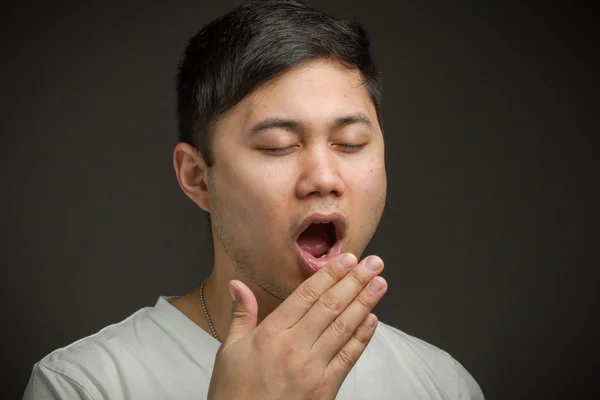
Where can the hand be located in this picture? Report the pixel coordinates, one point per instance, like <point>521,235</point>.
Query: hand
<point>307,346</point>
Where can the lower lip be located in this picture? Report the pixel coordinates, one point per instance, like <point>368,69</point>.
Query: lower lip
<point>312,264</point>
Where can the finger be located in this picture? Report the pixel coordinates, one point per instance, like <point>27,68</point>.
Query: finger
<point>244,311</point>
<point>343,361</point>
<point>339,332</point>
<point>334,301</point>
<point>304,297</point>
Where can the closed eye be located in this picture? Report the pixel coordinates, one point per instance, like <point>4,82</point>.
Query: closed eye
<point>278,151</point>
<point>346,148</point>
<point>351,148</point>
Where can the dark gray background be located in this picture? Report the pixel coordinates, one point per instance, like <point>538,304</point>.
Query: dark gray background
<point>491,229</point>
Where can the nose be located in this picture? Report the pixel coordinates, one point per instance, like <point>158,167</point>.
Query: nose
<point>320,173</point>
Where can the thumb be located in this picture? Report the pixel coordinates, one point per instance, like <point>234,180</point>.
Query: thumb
<point>244,311</point>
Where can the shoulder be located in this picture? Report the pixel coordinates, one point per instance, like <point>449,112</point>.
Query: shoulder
<point>397,340</point>
<point>153,352</point>
<point>77,370</point>
<point>427,359</point>
<point>102,344</point>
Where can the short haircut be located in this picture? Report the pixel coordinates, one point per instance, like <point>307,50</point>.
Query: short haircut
<point>253,44</point>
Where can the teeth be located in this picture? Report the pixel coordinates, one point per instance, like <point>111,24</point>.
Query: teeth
<point>324,255</point>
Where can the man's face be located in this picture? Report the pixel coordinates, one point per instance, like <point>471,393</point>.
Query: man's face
<point>285,153</point>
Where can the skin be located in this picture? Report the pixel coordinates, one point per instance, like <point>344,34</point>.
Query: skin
<point>257,198</point>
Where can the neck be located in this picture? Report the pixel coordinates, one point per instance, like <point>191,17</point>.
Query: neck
<point>218,300</point>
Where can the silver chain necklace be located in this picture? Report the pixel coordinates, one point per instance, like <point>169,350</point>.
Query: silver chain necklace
<point>212,329</point>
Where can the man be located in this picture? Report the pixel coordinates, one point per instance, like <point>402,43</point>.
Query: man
<point>281,143</point>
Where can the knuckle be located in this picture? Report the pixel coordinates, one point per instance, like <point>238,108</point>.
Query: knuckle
<point>329,302</point>
<point>239,313</point>
<point>346,358</point>
<point>331,273</point>
<point>308,293</point>
<point>264,336</point>
<point>362,337</point>
<point>364,302</point>
<point>304,371</point>
<point>339,327</point>
<point>288,348</point>
<point>360,280</point>
<point>320,391</point>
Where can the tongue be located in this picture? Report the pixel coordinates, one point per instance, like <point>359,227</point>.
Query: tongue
<point>314,240</point>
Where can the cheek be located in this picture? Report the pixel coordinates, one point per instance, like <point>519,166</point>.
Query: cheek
<point>262,193</point>
<point>371,192</point>
<point>372,181</point>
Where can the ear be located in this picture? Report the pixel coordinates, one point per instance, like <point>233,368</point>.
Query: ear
<point>192,174</point>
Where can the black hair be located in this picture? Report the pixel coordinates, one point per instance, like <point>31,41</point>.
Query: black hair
<point>254,43</point>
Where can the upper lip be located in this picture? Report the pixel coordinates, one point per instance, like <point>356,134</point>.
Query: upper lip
<point>338,220</point>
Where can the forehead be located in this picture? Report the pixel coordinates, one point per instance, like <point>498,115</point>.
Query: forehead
<point>314,94</point>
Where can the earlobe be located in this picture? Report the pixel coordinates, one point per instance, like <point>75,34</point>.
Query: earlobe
<point>192,174</point>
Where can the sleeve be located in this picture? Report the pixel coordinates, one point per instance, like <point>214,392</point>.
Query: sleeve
<point>46,384</point>
<point>468,389</point>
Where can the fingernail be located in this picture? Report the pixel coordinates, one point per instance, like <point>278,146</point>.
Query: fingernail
<point>373,263</point>
<point>347,261</point>
<point>376,284</point>
<point>233,292</point>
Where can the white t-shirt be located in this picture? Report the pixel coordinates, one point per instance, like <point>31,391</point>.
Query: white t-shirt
<point>159,353</point>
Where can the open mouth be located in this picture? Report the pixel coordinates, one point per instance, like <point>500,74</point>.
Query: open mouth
<point>320,240</point>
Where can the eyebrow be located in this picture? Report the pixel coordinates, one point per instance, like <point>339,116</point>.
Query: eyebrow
<point>355,118</point>
<point>340,122</point>
<point>275,123</point>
